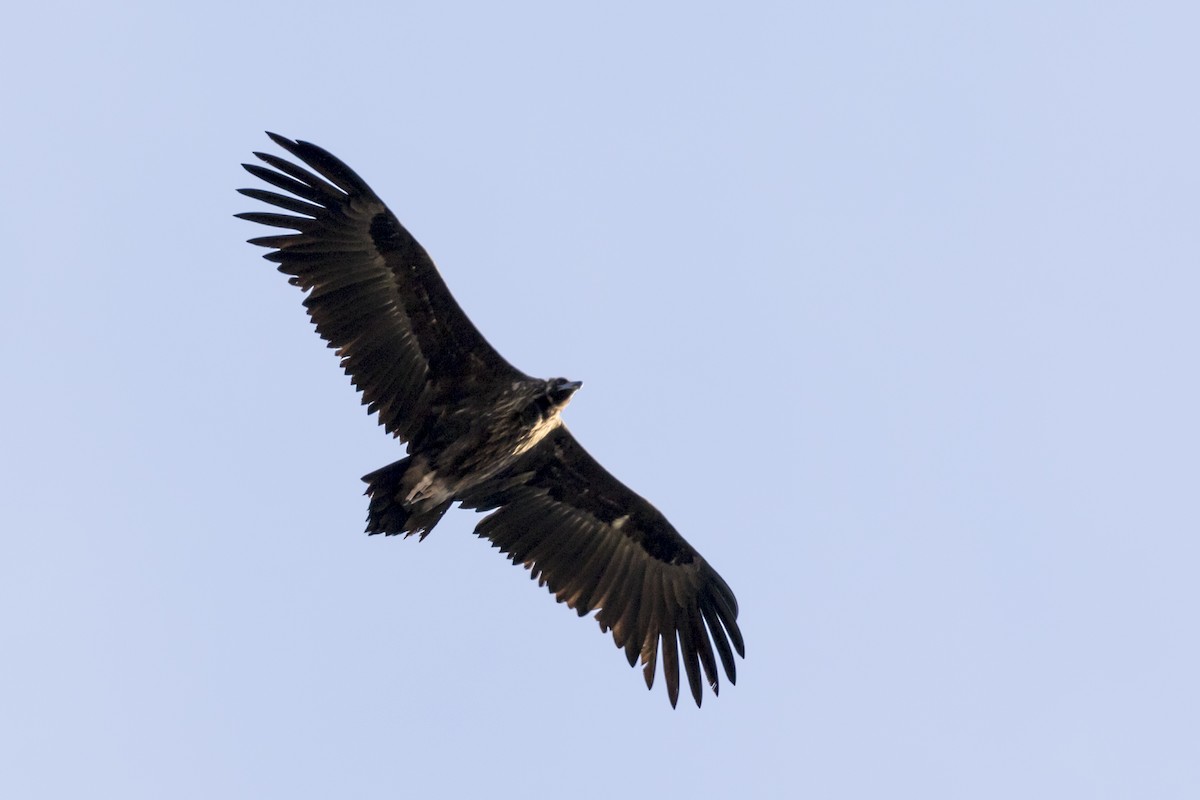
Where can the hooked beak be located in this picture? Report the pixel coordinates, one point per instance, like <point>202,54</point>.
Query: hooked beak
<point>560,395</point>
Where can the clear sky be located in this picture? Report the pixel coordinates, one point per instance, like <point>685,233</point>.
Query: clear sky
<point>891,308</point>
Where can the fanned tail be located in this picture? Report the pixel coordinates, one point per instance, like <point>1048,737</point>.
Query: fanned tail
<point>389,512</point>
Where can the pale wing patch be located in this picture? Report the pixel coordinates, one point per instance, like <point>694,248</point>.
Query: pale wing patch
<point>538,432</point>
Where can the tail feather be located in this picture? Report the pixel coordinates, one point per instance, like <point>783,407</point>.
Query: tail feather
<point>389,513</point>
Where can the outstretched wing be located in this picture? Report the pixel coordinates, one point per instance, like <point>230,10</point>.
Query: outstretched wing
<point>373,292</point>
<point>598,545</point>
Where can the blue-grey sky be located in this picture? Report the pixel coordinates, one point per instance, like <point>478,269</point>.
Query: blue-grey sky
<point>891,308</point>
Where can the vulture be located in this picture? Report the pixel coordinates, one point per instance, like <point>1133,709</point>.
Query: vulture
<point>480,432</point>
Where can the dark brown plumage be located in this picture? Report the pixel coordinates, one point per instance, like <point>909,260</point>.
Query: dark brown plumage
<point>482,433</point>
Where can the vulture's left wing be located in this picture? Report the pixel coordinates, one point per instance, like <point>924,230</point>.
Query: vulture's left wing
<point>598,545</point>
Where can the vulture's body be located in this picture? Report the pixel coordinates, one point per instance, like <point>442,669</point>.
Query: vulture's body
<point>482,433</point>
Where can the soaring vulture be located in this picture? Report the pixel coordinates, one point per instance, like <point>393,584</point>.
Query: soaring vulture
<point>481,432</point>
